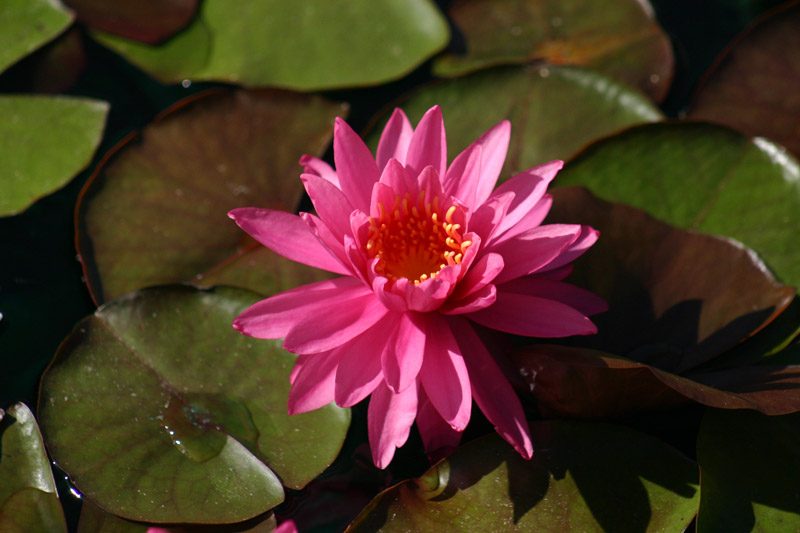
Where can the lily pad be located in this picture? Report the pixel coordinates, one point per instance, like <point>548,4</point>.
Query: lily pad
<point>68,130</point>
<point>753,85</point>
<point>155,211</point>
<point>28,497</point>
<point>621,39</point>
<point>159,411</point>
<point>583,477</point>
<point>704,177</point>
<point>749,464</point>
<point>27,25</point>
<point>317,45</point>
<point>553,110</point>
<point>149,21</point>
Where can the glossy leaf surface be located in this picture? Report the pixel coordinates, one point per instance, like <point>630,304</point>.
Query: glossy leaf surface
<point>703,177</point>
<point>583,477</point>
<point>319,45</point>
<point>27,25</point>
<point>68,130</point>
<point>149,21</point>
<point>156,391</point>
<point>620,39</point>
<point>155,210</point>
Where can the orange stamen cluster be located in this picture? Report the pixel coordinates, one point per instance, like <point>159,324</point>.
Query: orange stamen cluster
<point>412,240</point>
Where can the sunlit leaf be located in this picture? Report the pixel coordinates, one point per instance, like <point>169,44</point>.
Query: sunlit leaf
<point>28,498</point>
<point>583,477</point>
<point>67,130</point>
<point>156,209</point>
<point>314,45</point>
<point>160,411</point>
<point>150,21</point>
<point>703,177</point>
<point>621,39</point>
<point>749,464</point>
<point>27,25</point>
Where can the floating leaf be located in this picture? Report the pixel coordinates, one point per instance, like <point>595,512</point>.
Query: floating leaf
<point>155,210</point>
<point>703,177</point>
<point>160,411</point>
<point>753,87</point>
<point>319,45</point>
<point>583,477</point>
<point>553,110</point>
<point>68,130</point>
<point>27,25</point>
<point>150,21</point>
<point>749,464</point>
<point>621,39</point>
<point>28,497</point>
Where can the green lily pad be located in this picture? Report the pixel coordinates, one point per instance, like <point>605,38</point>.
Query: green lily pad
<point>27,25</point>
<point>753,85</point>
<point>159,411</point>
<point>149,21</point>
<point>621,39</point>
<point>704,177</point>
<point>155,211</point>
<point>749,464</point>
<point>68,130</point>
<point>583,477</point>
<point>28,497</point>
<point>553,110</point>
<point>319,45</point>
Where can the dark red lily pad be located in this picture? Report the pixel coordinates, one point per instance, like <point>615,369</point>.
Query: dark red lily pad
<point>149,21</point>
<point>621,39</point>
<point>155,210</point>
<point>753,86</point>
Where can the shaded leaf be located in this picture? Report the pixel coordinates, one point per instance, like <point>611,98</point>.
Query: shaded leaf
<point>27,25</point>
<point>321,45</point>
<point>749,464</point>
<point>149,21</point>
<point>621,39</point>
<point>155,211</point>
<point>28,498</point>
<point>704,177</point>
<point>60,64</point>
<point>159,411</point>
<point>68,130</point>
<point>583,477</point>
<point>668,289</point>
<point>553,110</point>
<point>753,86</point>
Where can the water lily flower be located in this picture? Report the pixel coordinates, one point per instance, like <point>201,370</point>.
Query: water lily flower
<point>429,255</point>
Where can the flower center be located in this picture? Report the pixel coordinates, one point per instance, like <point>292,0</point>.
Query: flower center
<point>413,240</point>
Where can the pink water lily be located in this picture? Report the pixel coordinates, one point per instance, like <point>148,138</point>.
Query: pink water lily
<point>430,256</point>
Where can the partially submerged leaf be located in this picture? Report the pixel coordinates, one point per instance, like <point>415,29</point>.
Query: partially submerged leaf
<point>27,25</point>
<point>155,210</point>
<point>583,477</point>
<point>621,39</point>
<point>149,21</point>
<point>156,392</point>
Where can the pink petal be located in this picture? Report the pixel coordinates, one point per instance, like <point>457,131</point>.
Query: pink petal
<point>528,187</point>
<point>286,527</point>
<point>557,274</point>
<point>389,420</point>
<point>584,301</point>
<point>432,293</point>
<point>485,297</point>
<point>359,369</point>
<point>287,235</point>
<point>444,374</point>
<point>533,317</point>
<point>488,217</point>
<point>491,390</point>
<point>428,144</point>
<point>533,249</point>
<point>438,438</point>
<point>463,175</point>
<point>495,146</point>
<point>398,182</point>
<point>322,232</point>
<point>483,272</point>
<point>428,181</point>
<point>318,167</point>
<point>335,324</point>
<point>355,165</point>
<point>330,203</point>
<point>387,294</point>
<point>584,241</point>
<point>402,356</point>
<point>313,386</point>
<point>395,139</point>
<point>274,317</point>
